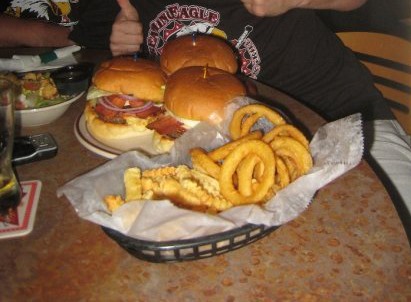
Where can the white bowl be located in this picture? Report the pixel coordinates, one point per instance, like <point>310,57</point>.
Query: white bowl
<point>43,116</point>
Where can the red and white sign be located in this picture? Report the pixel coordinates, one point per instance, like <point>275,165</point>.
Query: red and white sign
<point>20,221</point>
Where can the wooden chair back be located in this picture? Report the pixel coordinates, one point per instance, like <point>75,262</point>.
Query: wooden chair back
<point>389,60</point>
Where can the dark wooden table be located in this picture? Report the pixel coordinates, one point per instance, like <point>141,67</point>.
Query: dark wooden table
<point>349,245</point>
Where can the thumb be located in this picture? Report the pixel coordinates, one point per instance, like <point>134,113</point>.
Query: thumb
<point>127,10</point>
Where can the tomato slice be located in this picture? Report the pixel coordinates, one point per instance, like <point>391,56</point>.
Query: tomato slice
<point>20,105</point>
<point>31,85</point>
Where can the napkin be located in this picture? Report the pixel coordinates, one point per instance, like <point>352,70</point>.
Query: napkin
<point>54,59</point>
<point>334,152</point>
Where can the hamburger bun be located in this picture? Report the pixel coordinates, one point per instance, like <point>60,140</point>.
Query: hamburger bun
<point>206,51</point>
<point>122,102</point>
<point>141,78</point>
<point>194,94</point>
<point>201,93</point>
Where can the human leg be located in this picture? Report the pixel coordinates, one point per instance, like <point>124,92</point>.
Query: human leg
<point>389,153</point>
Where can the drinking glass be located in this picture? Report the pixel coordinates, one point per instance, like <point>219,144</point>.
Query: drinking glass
<point>10,193</point>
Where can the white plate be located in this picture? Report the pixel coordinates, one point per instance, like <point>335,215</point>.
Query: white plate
<point>143,143</point>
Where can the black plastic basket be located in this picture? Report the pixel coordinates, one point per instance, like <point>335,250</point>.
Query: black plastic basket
<point>190,249</point>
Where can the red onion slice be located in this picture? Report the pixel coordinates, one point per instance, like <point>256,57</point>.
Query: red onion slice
<point>104,101</point>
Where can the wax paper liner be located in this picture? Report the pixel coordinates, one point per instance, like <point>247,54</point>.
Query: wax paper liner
<point>334,152</point>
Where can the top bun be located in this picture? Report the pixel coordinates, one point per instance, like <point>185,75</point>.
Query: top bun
<point>141,78</point>
<point>198,50</point>
<point>201,93</point>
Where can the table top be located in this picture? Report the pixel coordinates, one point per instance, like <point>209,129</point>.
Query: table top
<point>348,245</point>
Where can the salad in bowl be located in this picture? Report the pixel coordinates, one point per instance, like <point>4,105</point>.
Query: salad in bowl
<point>38,90</point>
<point>40,101</point>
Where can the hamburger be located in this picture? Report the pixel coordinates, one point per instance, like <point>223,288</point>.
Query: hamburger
<point>198,50</point>
<point>194,94</point>
<point>125,96</point>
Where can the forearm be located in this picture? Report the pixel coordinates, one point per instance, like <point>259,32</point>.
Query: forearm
<point>340,5</point>
<point>17,32</point>
<point>265,8</point>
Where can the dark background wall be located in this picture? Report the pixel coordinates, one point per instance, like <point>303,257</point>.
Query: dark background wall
<point>388,16</point>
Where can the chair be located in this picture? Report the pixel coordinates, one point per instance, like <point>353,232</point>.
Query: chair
<point>389,60</point>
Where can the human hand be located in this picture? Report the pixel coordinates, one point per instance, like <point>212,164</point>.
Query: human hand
<point>127,31</point>
<point>263,8</point>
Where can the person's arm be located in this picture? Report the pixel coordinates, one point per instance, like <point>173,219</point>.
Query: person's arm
<point>340,5</point>
<point>17,32</point>
<point>277,7</point>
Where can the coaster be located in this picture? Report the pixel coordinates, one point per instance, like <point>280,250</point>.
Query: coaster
<point>20,221</point>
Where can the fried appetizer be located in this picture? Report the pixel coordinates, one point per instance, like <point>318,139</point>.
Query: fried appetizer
<point>185,187</point>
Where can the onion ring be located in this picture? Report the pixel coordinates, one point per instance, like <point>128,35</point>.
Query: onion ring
<point>202,162</point>
<point>245,174</point>
<point>290,164</point>
<point>288,146</point>
<point>282,178</point>
<point>229,167</point>
<point>222,152</point>
<point>238,118</point>
<point>248,123</point>
<point>286,130</point>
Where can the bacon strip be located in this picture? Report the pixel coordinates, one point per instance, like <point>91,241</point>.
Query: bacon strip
<point>108,115</point>
<point>167,126</point>
<point>152,111</point>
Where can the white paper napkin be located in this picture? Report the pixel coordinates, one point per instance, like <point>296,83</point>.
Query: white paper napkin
<point>334,152</point>
<point>24,63</point>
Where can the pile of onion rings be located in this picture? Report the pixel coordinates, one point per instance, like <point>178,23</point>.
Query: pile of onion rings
<point>255,165</point>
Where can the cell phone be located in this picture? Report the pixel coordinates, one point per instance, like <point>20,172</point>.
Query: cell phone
<point>32,148</point>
